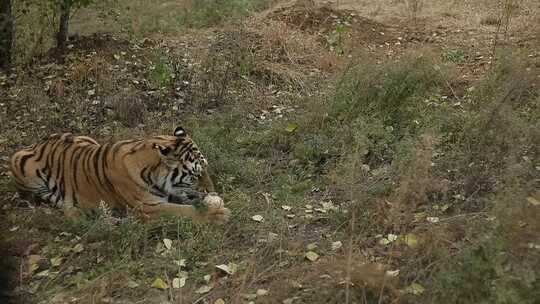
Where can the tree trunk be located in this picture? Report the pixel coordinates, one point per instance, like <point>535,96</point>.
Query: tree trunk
<point>6,33</point>
<point>62,35</point>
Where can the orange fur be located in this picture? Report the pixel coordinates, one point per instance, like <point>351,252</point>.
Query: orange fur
<point>153,176</point>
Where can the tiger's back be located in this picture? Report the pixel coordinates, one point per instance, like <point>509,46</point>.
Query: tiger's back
<point>51,169</point>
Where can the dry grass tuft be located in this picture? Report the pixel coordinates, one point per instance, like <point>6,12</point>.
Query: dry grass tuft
<point>128,108</point>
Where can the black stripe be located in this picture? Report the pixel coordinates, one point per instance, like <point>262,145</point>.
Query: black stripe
<point>95,159</point>
<point>73,164</point>
<point>155,190</point>
<point>119,145</point>
<point>181,182</point>
<point>22,162</point>
<point>136,147</point>
<point>86,140</point>
<point>51,154</point>
<point>42,148</point>
<point>101,163</point>
<point>40,175</point>
<point>85,164</point>
<point>174,174</point>
<point>185,148</point>
<point>144,176</point>
<point>61,171</point>
<point>61,166</point>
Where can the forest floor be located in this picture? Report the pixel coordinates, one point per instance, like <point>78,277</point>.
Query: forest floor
<point>370,151</point>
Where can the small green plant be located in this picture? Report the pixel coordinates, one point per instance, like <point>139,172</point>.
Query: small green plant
<point>455,56</point>
<point>162,74</point>
<point>335,39</point>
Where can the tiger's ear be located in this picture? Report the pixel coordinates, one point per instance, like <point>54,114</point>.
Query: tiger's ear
<point>162,149</point>
<point>179,132</point>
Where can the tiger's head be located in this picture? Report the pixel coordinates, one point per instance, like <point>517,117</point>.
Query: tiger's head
<point>184,161</point>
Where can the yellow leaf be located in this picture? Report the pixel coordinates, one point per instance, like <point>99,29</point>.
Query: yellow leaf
<point>533,201</point>
<point>219,301</point>
<point>159,284</point>
<point>33,262</point>
<point>415,289</point>
<point>291,127</point>
<point>312,256</point>
<point>410,240</point>
<point>55,262</point>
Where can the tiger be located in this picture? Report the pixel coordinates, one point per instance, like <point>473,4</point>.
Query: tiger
<point>160,175</point>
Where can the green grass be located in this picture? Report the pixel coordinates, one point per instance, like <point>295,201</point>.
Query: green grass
<point>213,12</point>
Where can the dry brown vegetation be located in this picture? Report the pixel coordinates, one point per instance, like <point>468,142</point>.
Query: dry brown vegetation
<point>390,149</point>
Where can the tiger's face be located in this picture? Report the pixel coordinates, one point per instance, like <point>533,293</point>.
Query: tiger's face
<point>184,160</point>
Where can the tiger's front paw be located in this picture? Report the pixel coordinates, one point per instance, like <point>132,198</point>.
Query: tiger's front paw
<point>215,211</point>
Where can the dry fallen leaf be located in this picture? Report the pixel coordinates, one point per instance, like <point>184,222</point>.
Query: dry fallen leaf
<point>311,246</point>
<point>261,292</point>
<point>312,256</point>
<point>410,240</point>
<point>78,248</point>
<point>272,236</point>
<point>257,218</point>
<point>286,208</point>
<point>388,239</point>
<point>181,262</point>
<point>392,273</point>
<point>249,296</point>
<point>533,201</point>
<point>159,284</point>
<point>167,243</point>
<point>44,273</point>
<point>179,282</point>
<point>55,262</point>
<point>219,301</point>
<point>336,245</point>
<point>432,219</point>
<point>33,262</point>
<point>132,284</point>
<point>203,289</point>
<point>229,269</point>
